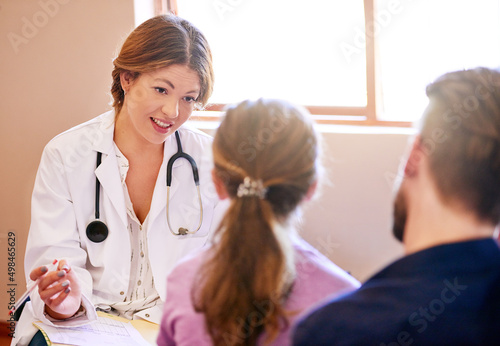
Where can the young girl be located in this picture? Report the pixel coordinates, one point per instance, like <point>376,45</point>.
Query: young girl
<point>259,275</point>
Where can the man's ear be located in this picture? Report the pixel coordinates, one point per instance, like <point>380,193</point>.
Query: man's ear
<point>414,159</point>
<point>126,79</point>
<point>219,186</point>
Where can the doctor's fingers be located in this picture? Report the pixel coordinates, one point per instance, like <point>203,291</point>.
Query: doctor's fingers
<point>51,278</point>
<point>64,265</point>
<point>55,294</point>
<point>38,272</point>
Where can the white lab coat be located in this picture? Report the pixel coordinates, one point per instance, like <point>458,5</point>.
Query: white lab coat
<point>63,203</point>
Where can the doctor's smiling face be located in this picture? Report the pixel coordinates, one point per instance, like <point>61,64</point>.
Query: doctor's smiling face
<point>157,103</point>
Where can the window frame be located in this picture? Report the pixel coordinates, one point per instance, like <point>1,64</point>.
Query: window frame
<point>366,116</point>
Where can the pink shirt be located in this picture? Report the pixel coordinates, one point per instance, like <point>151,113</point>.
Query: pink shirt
<point>317,278</point>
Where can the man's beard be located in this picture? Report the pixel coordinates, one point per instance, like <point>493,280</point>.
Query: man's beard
<point>399,215</point>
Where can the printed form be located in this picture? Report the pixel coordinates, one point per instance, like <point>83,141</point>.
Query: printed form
<point>104,331</point>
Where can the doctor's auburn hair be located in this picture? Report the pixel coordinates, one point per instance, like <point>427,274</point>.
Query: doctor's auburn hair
<point>242,288</point>
<point>160,42</point>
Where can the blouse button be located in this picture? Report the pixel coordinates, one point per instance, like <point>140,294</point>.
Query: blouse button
<point>122,293</point>
<point>139,282</point>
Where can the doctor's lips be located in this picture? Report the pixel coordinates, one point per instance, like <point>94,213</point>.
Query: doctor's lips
<point>161,123</point>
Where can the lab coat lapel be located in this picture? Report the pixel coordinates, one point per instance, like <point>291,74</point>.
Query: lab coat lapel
<point>108,172</point>
<point>109,177</point>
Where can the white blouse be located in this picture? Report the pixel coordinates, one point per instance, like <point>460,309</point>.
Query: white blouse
<point>141,293</point>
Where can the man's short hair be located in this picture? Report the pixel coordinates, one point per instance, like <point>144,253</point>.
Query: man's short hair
<point>461,133</point>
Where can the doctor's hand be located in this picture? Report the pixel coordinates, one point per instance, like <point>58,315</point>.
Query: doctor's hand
<point>59,290</point>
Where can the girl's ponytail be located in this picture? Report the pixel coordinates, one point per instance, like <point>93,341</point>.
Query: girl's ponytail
<point>265,155</point>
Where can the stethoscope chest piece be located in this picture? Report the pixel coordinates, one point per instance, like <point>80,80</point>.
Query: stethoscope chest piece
<point>97,231</point>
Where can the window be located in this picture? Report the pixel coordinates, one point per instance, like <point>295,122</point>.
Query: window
<point>427,38</point>
<point>348,61</point>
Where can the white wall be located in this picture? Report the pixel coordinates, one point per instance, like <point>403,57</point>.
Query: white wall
<point>55,63</point>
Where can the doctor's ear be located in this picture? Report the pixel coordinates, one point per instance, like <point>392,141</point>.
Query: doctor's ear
<point>219,186</point>
<point>126,79</point>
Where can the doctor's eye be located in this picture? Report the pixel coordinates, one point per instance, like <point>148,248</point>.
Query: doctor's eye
<point>189,99</point>
<point>161,90</point>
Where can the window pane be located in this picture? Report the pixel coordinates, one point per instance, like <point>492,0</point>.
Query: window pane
<point>303,51</point>
<point>420,40</point>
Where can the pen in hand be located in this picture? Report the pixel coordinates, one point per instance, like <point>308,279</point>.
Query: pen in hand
<point>30,289</point>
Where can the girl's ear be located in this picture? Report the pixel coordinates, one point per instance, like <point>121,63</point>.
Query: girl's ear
<point>311,191</point>
<point>219,186</point>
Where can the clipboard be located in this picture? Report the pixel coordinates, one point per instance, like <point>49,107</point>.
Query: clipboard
<point>107,330</point>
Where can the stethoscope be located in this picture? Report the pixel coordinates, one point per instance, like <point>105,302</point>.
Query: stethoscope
<point>170,163</point>
<point>97,231</point>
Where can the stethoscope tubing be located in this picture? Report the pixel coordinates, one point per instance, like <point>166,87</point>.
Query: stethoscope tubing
<point>194,167</point>
<point>181,154</point>
<point>97,187</point>
<point>97,230</point>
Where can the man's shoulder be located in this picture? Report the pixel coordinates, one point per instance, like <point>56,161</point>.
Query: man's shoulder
<point>408,297</point>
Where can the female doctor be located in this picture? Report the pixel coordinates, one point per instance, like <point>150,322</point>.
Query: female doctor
<point>163,72</point>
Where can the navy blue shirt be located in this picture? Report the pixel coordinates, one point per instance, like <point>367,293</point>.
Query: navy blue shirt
<point>445,295</point>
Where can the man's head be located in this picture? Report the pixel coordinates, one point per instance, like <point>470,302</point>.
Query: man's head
<point>460,139</point>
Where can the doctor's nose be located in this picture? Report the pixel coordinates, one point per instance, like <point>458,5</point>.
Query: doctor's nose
<point>171,109</point>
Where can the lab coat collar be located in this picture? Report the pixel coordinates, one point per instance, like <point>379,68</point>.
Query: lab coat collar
<point>103,139</point>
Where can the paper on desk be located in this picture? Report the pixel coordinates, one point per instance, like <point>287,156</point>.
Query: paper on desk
<point>104,331</point>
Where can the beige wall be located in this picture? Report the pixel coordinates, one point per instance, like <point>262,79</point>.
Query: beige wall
<point>350,219</point>
<point>56,74</point>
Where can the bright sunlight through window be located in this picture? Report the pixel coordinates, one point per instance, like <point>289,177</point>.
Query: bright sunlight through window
<point>428,38</point>
<point>283,49</point>
<point>313,52</point>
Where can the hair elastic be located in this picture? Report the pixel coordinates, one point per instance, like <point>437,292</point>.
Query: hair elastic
<point>251,188</point>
